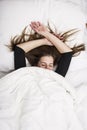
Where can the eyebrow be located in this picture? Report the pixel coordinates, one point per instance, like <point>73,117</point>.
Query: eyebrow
<point>45,63</point>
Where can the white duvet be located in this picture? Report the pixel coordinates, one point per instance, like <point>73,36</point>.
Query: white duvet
<point>33,98</point>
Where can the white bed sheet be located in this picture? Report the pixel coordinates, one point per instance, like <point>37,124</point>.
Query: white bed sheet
<point>34,98</point>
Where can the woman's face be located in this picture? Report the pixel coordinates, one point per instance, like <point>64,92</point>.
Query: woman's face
<point>46,62</point>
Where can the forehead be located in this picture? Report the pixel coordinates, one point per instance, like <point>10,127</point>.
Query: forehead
<point>47,59</point>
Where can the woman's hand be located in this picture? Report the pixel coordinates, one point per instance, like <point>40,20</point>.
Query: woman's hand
<point>39,28</point>
<point>59,36</point>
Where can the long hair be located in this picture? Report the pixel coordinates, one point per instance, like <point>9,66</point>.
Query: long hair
<point>34,55</point>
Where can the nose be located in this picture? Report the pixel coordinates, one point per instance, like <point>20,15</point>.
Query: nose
<point>48,67</point>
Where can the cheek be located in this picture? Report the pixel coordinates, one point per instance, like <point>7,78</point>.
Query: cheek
<point>39,65</point>
<point>43,67</point>
<point>51,68</point>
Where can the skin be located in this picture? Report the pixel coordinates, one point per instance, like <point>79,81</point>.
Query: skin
<point>46,62</point>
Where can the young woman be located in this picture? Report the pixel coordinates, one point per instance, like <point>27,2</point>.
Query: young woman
<point>48,51</point>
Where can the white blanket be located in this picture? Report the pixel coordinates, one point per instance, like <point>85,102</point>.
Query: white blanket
<point>33,98</point>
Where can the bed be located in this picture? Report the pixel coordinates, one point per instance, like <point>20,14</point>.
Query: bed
<point>35,98</point>
<point>43,100</point>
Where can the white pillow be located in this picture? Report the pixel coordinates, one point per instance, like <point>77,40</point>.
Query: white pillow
<point>6,59</point>
<point>64,16</point>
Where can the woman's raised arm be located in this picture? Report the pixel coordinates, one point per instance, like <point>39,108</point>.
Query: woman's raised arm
<point>27,46</point>
<point>42,30</point>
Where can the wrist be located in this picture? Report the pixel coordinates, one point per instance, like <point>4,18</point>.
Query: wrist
<point>45,34</point>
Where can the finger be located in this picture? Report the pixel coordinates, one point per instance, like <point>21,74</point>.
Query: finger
<point>39,23</point>
<point>34,28</point>
<point>33,25</point>
<point>36,25</point>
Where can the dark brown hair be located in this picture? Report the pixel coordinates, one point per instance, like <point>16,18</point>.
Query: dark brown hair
<point>46,50</point>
